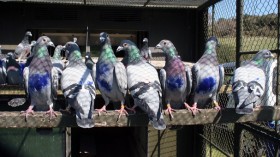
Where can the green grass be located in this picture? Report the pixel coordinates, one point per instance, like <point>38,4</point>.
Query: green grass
<point>226,53</point>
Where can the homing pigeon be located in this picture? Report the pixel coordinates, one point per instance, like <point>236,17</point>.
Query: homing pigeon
<point>145,51</point>
<point>249,83</point>
<point>23,48</point>
<point>208,77</point>
<point>175,77</point>
<point>58,65</point>
<point>38,79</point>
<point>143,84</point>
<point>3,72</point>
<point>111,76</point>
<point>78,86</point>
<point>90,65</point>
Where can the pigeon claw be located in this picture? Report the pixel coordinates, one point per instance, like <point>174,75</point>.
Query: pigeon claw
<point>27,112</point>
<point>121,111</point>
<point>102,109</point>
<point>193,109</point>
<point>217,106</point>
<point>132,109</point>
<point>51,113</point>
<point>169,111</point>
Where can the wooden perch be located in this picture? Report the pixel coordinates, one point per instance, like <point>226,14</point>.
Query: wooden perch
<point>109,119</point>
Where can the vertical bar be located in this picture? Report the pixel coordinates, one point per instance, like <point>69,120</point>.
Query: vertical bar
<point>68,142</point>
<point>213,19</point>
<point>159,139</point>
<point>236,141</point>
<point>239,30</point>
<point>211,130</point>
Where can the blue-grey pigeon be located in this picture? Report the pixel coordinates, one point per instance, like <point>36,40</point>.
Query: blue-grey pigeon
<point>143,84</point>
<point>13,68</point>
<point>111,76</point>
<point>145,51</point>
<point>175,77</point>
<point>78,86</point>
<point>249,83</point>
<point>208,77</point>
<point>3,71</point>
<point>39,80</point>
<point>58,65</point>
<point>23,48</point>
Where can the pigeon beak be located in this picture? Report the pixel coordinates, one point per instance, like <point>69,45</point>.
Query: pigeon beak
<point>120,48</point>
<point>158,46</point>
<point>272,56</point>
<point>51,44</point>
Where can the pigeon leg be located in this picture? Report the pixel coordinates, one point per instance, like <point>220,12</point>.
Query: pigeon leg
<point>217,107</point>
<point>51,113</point>
<point>122,111</point>
<point>102,109</point>
<point>193,109</point>
<point>28,111</point>
<point>169,111</point>
<point>132,108</point>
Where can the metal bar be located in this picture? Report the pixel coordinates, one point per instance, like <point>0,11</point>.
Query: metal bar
<point>146,3</point>
<point>239,30</point>
<point>213,19</point>
<point>216,146</point>
<point>236,142</point>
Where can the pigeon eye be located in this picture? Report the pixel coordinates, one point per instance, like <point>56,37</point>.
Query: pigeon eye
<point>164,43</point>
<point>125,44</point>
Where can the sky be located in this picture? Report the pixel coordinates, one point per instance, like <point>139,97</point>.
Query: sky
<point>227,8</point>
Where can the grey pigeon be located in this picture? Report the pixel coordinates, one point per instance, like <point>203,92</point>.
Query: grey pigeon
<point>249,83</point>
<point>78,86</point>
<point>175,77</point>
<point>208,77</point>
<point>13,68</point>
<point>143,84</point>
<point>111,75</point>
<point>145,51</point>
<point>38,79</point>
<point>90,65</point>
<point>23,48</point>
<point>58,65</point>
<point>3,71</point>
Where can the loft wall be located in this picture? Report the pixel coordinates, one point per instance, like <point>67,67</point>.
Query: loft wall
<point>177,25</point>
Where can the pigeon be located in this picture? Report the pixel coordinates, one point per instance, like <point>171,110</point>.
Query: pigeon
<point>143,84</point>
<point>248,84</point>
<point>3,71</point>
<point>38,79</point>
<point>23,48</point>
<point>13,69</point>
<point>111,76</point>
<point>208,77</point>
<point>145,51</point>
<point>78,86</point>
<point>58,65</point>
<point>175,77</point>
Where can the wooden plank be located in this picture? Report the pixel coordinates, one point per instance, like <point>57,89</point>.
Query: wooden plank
<point>109,119</point>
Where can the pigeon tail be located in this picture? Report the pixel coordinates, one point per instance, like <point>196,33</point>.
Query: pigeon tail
<point>85,122</point>
<point>158,124</point>
<point>244,110</point>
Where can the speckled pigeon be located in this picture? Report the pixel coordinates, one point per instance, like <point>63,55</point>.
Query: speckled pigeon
<point>111,75</point>
<point>78,86</point>
<point>23,48</point>
<point>249,83</point>
<point>143,84</point>
<point>208,76</point>
<point>38,78</point>
<point>175,77</point>
<point>58,65</point>
<point>14,73</point>
<point>145,51</point>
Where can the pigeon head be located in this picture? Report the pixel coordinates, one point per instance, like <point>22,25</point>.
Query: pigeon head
<point>145,40</point>
<point>261,55</point>
<point>28,33</point>
<point>103,37</point>
<point>131,51</point>
<point>87,56</point>
<point>57,52</point>
<point>44,41</point>
<point>72,50</point>
<point>167,47</point>
<point>11,55</point>
<point>75,39</point>
<point>126,45</point>
<point>212,42</point>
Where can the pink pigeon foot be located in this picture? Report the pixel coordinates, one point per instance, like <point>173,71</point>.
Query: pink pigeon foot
<point>102,109</point>
<point>27,112</point>
<point>169,111</point>
<point>121,111</point>
<point>217,106</point>
<point>193,109</point>
<point>51,113</point>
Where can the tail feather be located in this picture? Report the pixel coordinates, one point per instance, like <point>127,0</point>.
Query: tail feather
<point>85,122</point>
<point>158,124</point>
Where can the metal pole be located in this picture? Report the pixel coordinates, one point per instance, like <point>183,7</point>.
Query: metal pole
<point>239,30</point>
<point>213,19</point>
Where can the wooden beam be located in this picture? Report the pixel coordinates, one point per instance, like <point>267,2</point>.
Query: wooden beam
<point>109,119</point>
